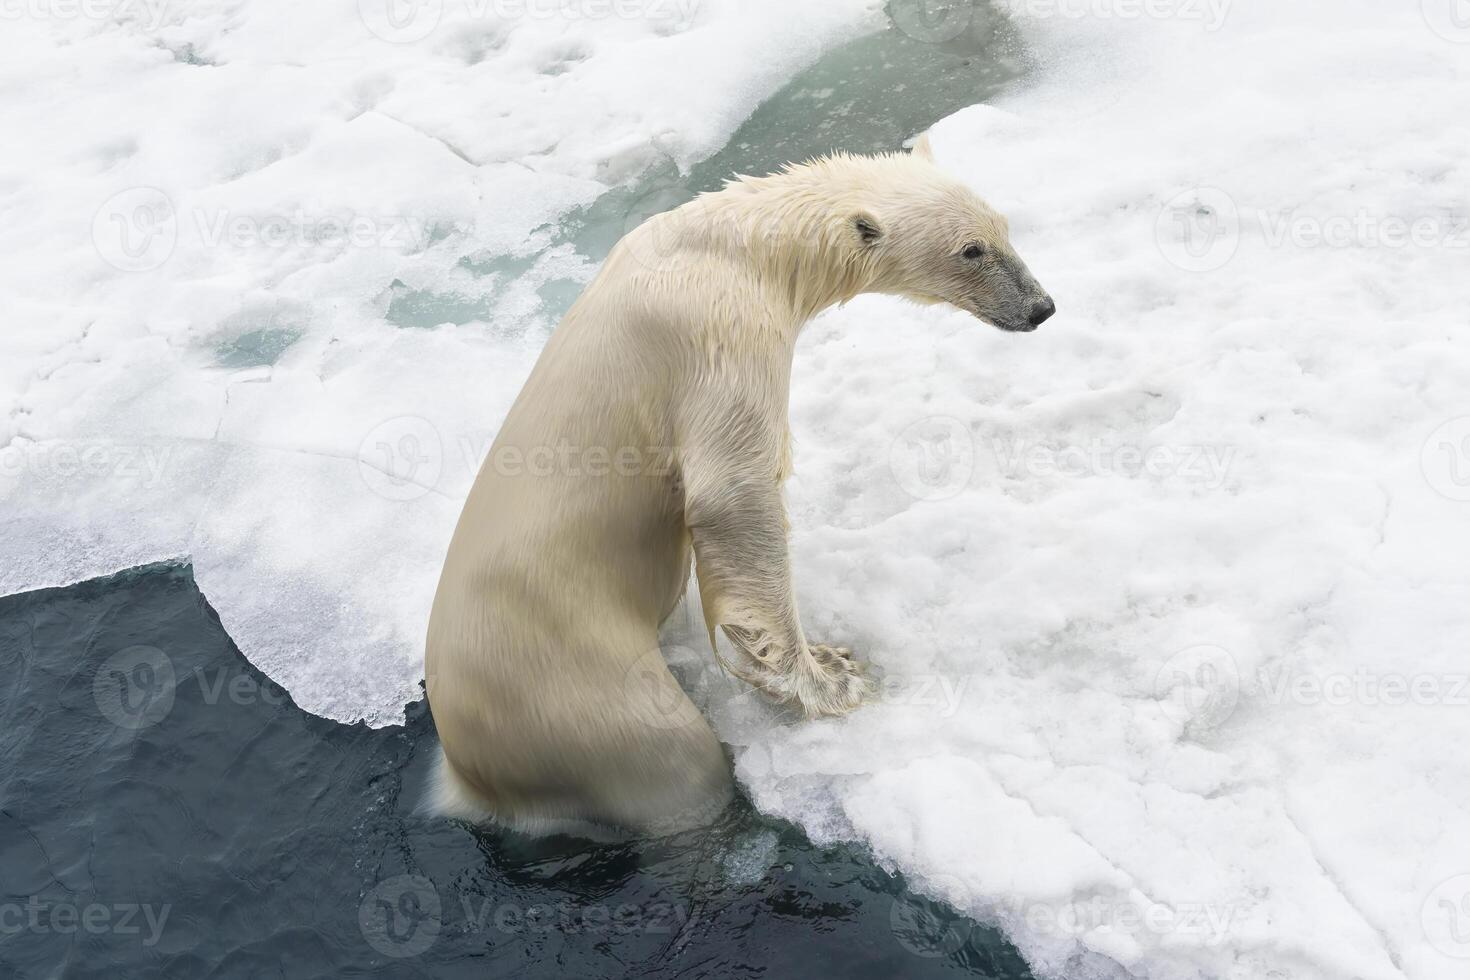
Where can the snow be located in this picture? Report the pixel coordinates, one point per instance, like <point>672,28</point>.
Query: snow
<point>1168,599</point>
<point>208,209</point>
<point>1194,555</point>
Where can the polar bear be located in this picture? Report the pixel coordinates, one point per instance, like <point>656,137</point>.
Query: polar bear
<point>653,430</point>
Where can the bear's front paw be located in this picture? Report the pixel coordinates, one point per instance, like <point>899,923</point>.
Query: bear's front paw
<point>828,681</point>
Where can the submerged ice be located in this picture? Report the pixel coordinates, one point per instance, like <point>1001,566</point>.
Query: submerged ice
<point>1167,600</point>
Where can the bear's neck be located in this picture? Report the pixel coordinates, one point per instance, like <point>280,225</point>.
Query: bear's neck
<point>800,237</point>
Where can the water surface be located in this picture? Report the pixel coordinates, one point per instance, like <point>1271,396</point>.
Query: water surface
<point>166,811</point>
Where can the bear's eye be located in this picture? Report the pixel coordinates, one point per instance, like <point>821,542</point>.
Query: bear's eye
<point>974,251</point>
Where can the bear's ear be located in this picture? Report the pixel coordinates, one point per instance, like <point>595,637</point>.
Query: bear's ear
<point>868,230</point>
<point>922,148</point>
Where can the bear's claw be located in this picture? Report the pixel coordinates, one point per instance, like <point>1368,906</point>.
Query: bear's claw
<point>824,680</point>
<point>830,682</point>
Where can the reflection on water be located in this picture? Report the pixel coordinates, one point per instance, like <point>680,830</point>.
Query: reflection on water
<point>167,812</point>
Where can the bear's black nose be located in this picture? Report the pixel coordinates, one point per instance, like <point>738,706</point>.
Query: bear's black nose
<point>1041,311</point>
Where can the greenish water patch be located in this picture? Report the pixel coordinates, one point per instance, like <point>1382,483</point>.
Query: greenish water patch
<point>422,309</point>
<point>871,95</point>
<point>257,348</point>
<point>868,96</point>
<point>559,294</point>
<point>506,267</point>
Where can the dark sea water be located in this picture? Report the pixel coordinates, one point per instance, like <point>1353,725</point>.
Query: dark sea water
<point>166,811</point>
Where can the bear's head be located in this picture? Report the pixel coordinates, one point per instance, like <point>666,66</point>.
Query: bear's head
<point>933,240</point>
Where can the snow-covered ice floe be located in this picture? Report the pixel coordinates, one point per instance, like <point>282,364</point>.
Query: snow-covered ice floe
<point>211,213</point>
<point>1169,599</point>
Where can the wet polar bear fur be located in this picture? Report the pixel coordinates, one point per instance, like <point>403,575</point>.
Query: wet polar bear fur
<point>653,431</point>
